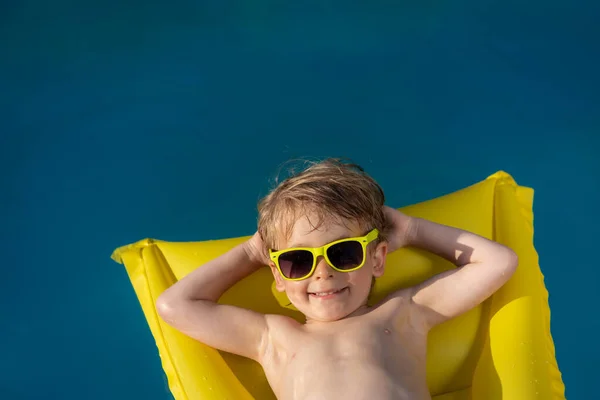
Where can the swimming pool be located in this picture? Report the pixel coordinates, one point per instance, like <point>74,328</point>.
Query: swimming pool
<point>105,105</point>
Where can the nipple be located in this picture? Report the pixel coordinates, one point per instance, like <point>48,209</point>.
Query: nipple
<point>387,331</point>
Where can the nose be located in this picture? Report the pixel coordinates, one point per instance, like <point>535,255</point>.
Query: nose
<point>323,270</point>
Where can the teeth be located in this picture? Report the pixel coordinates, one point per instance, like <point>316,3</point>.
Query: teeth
<point>326,293</point>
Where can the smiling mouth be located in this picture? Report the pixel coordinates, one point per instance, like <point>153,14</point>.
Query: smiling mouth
<point>327,294</point>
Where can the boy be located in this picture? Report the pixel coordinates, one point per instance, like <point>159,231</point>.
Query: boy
<point>325,234</point>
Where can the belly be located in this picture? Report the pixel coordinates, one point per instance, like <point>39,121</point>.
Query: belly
<point>350,380</point>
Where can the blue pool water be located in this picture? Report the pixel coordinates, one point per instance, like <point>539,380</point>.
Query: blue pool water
<point>130,119</point>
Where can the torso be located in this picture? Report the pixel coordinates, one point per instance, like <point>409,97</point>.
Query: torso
<point>380,354</point>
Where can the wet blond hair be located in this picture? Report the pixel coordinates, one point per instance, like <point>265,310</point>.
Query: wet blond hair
<point>334,190</point>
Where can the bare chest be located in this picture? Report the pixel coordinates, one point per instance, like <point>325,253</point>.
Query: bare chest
<point>365,355</point>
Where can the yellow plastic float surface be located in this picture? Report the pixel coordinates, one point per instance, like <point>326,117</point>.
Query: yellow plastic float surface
<point>501,349</point>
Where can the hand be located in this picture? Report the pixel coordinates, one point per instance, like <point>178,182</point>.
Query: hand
<point>256,250</point>
<point>401,228</point>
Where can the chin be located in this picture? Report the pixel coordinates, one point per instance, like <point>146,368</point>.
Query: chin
<point>329,310</point>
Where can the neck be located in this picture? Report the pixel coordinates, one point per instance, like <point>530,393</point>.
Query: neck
<point>358,312</point>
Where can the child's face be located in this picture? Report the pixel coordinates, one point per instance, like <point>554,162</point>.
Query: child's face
<point>353,287</point>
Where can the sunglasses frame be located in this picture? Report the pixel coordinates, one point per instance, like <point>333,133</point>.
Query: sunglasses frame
<point>322,251</point>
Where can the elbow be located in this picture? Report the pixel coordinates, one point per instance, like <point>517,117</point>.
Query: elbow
<point>511,262</point>
<point>166,306</point>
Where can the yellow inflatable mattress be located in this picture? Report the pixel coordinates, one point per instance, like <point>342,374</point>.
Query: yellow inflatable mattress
<point>502,349</point>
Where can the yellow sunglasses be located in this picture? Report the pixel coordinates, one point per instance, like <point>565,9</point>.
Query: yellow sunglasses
<point>344,255</point>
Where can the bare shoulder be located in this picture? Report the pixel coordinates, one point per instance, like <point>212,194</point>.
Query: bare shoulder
<point>283,333</point>
<point>281,330</point>
<point>276,323</point>
<point>394,302</point>
<point>399,308</point>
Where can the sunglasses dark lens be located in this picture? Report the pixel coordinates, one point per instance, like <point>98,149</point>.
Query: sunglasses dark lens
<point>346,255</point>
<point>296,263</point>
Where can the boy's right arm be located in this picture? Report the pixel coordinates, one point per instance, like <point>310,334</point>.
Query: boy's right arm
<point>191,306</point>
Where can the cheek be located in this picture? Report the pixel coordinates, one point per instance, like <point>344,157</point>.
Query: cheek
<point>294,289</point>
<point>362,278</point>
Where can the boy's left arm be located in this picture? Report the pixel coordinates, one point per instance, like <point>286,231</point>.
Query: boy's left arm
<point>483,266</point>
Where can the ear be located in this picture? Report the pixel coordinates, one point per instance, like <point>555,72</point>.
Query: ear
<point>379,256</point>
<point>279,285</point>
